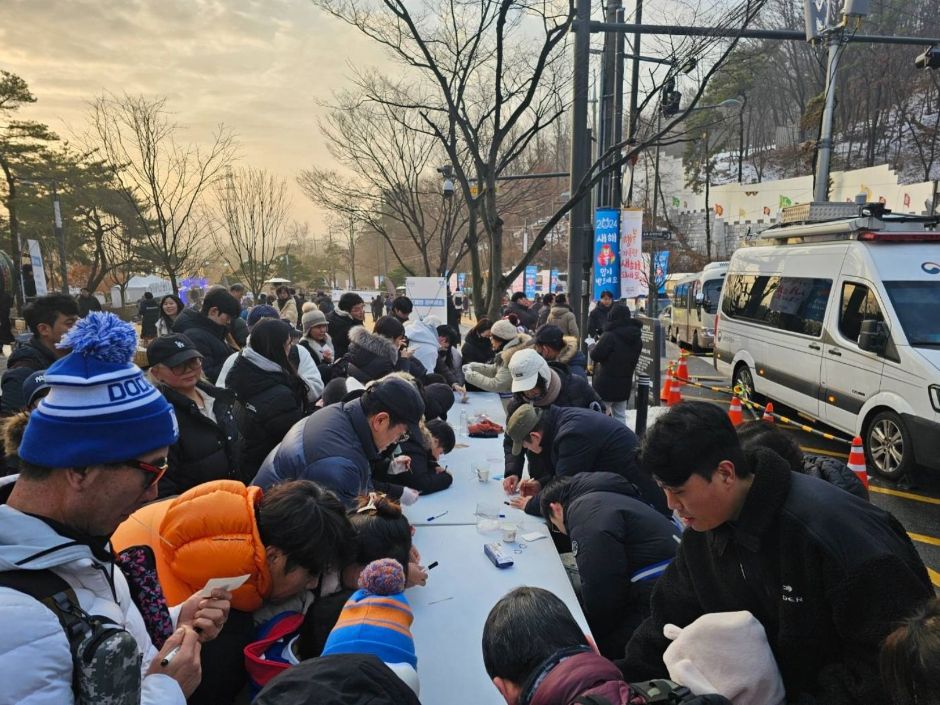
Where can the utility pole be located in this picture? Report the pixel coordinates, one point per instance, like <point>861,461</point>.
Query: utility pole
<point>579,225</point>
<point>837,42</point>
<point>635,86</point>
<point>60,237</point>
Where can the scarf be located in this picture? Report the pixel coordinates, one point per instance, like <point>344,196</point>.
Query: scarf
<point>551,392</point>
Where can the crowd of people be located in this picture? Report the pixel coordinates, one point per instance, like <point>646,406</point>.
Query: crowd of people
<point>278,441</point>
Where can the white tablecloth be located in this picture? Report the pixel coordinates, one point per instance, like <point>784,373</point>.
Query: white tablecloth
<point>450,611</point>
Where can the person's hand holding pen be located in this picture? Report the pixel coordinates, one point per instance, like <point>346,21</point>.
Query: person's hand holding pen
<point>180,660</point>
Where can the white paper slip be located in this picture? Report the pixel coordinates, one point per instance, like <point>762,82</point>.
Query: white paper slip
<point>230,584</point>
<point>533,536</point>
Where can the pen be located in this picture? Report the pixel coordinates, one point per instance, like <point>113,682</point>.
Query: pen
<point>165,661</point>
<point>508,504</point>
<point>437,516</point>
<point>433,565</point>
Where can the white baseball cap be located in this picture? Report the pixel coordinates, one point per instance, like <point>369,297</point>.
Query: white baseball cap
<point>525,367</point>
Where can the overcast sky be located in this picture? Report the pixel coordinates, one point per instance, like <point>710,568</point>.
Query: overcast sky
<point>258,66</point>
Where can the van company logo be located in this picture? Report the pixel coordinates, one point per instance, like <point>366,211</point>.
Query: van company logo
<point>931,267</point>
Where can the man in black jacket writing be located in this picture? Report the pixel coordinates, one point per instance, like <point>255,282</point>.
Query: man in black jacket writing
<point>825,573</point>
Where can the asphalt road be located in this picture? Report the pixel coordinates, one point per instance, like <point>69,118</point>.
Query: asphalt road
<point>917,508</point>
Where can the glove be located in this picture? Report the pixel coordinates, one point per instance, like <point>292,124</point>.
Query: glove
<point>409,496</point>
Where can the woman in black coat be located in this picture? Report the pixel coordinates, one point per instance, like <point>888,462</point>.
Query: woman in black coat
<point>615,357</point>
<point>477,348</point>
<point>372,355</point>
<point>272,396</point>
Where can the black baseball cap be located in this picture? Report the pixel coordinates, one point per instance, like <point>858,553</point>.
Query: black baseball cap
<point>171,350</point>
<point>551,336</point>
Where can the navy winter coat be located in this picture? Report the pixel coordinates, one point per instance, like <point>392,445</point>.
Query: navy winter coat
<point>616,355</point>
<point>333,448</point>
<point>208,337</point>
<point>26,359</point>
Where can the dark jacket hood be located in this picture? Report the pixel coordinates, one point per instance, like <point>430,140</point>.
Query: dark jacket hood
<point>246,379</point>
<point>190,318</point>
<point>342,679</point>
<point>626,328</point>
<point>377,345</point>
<point>587,482</point>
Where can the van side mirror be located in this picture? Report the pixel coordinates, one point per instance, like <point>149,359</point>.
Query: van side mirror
<point>700,298</point>
<point>873,336</point>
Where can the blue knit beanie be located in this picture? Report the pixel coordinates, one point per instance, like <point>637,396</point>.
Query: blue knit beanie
<point>100,408</point>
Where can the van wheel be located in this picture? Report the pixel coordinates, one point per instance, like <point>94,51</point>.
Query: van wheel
<point>742,377</point>
<point>888,447</point>
<point>696,348</point>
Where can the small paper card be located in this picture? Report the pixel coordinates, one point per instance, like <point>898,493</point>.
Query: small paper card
<point>533,536</point>
<point>230,584</point>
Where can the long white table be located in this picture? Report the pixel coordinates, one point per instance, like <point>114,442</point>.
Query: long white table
<point>450,611</point>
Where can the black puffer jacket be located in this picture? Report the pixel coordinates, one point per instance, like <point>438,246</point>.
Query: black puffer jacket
<point>581,440</point>
<point>206,450</point>
<point>617,353</point>
<point>526,317</point>
<point>835,472</point>
<point>423,475</point>
<point>826,574</point>
<point>270,402</point>
<point>340,679</point>
<point>597,319</point>
<point>26,359</point>
<point>340,324</point>
<point>208,337</point>
<point>575,392</point>
<point>372,356</point>
<point>476,349</point>
<point>621,545</point>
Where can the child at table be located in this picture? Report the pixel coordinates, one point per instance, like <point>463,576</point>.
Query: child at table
<point>382,531</point>
<point>418,465</point>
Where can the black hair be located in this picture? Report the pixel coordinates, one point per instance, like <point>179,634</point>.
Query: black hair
<point>46,309</point>
<point>760,434</point>
<point>517,296</point>
<point>389,327</point>
<point>36,473</point>
<point>237,287</point>
<point>283,289</point>
<point>148,295</point>
<point>555,492</point>
<point>308,523</point>
<point>435,378</point>
<point>223,301</point>
<point>267,339</point>
<point>483,325</point>
<point>443,432</point>
<point>403,304</point>
<point>349,300</point>
<point>910,658</point>
<point>382,532</point>
<point>548,299</point>
<point>692,437</point>
<point>606,293</point>
<point>453,337</point>
<point>561,300</point>
<point>180,306</point>
<point>513,318</point>
<point>524,629</point>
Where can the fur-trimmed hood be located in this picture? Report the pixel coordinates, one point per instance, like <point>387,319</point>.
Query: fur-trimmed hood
<point>370,342</point>
<point>570,350</point>
<point>520,342</point>
<point>13,429</point>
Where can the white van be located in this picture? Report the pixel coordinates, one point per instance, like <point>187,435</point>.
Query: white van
<point>694,305</point>
<point>840,319</point>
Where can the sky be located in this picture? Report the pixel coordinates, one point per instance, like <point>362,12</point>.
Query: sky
<point>261,67</point>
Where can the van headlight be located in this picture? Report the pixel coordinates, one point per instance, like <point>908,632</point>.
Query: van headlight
<point>934,391</point>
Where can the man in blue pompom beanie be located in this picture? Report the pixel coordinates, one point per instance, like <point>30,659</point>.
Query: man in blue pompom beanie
<point>92,453</point>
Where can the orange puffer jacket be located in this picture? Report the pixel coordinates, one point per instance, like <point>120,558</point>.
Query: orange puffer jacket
<point>207,532</point>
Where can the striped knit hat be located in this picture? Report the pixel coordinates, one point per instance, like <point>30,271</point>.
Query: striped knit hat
<point>377,618</point>
<point>100,408</point>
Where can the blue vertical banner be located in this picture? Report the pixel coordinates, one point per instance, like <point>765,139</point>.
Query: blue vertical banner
<point>606,252</point>
<point>661,269</point>
<point>555,286</point>
<point>461,279</point>
<point>531,275</point>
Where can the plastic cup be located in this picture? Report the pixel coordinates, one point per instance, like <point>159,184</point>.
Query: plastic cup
<point>508,530</point>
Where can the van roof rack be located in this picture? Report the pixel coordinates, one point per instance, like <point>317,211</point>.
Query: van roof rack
<point>826,222</point>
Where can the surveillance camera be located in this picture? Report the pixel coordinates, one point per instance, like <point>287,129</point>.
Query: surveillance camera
<point>448,187</point>
<point>446,171</point>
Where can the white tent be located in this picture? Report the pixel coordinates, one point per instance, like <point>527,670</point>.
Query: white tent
<point>137,286</point>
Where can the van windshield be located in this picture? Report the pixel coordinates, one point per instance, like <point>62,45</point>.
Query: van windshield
<point>712,292</point>
<point>917,305</point>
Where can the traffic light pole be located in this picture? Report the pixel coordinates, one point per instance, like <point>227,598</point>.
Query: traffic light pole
<point>837,43</point>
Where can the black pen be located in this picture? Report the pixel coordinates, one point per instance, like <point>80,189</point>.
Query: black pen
<point>433,565</point>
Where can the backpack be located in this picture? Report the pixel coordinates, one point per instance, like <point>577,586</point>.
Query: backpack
<point>264,657</point>
<point>106,659</point>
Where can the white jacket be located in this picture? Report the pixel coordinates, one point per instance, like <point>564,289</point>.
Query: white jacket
<point>35,661</point>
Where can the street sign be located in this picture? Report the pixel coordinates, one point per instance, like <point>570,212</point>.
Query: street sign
<point>652,351</point>
<point>657,235</point>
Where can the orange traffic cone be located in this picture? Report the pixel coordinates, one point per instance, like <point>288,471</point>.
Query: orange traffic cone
<point>768,413</point>
<point>682,373</point>
<point>734,412</point>
<point>675,393</point>
<point>667,387</point>
<point>857,461</point>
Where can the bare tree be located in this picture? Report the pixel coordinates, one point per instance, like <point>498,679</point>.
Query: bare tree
<point>164,180</point>
<point>251,216</point>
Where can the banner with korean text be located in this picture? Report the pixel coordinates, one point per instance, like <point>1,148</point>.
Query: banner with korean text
<point>634,275</point>
<point>606,248</point>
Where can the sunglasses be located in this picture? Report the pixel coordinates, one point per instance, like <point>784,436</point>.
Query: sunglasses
<point>192,364</point>
<point>153,472</point>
